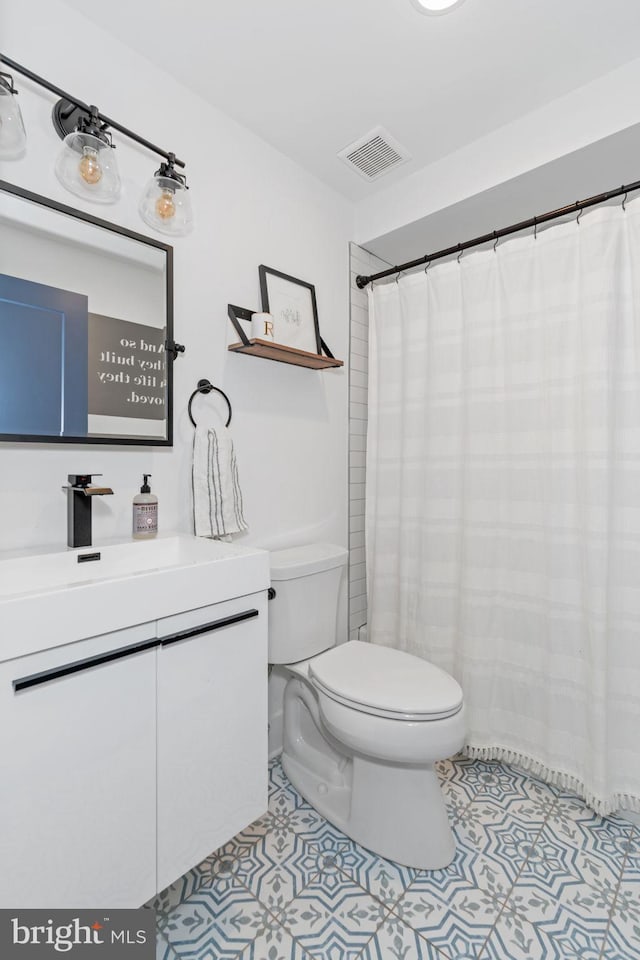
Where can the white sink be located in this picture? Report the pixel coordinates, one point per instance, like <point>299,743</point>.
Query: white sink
<point>53,598</point>
<point>71,568</point>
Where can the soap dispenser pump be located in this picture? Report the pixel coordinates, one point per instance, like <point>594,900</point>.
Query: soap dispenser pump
<point>145,512</point>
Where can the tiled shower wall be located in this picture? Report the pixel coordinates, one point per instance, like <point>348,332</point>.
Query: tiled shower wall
<point>362,262</point>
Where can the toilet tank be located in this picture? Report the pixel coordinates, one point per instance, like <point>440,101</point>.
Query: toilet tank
<point>303,613</point>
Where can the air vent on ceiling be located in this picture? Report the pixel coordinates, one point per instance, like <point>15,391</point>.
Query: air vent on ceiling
<point>374,154</point>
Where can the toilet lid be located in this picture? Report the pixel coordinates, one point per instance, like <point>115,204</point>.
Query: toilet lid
<point>386,682</point>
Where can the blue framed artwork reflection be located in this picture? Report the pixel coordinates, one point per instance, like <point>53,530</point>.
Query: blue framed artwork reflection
<point>44,330</point>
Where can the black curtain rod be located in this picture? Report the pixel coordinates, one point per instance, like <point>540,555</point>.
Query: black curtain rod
<point>14,65</point>
<point>495,235</point>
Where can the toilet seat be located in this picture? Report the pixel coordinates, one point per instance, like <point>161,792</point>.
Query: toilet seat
<point>385,682</point>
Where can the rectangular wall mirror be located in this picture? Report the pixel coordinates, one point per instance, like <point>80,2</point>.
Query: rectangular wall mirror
<point>86,308</point>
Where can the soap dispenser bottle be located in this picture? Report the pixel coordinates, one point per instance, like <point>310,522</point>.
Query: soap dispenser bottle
<point>145,512</point>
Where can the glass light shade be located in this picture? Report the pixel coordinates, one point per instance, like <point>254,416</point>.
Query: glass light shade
<point>165,206</point>
<point>86,166</point>
<point>13,136</point>
<point>435,6</point>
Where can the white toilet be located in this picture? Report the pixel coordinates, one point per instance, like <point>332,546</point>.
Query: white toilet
<point>363,724</point>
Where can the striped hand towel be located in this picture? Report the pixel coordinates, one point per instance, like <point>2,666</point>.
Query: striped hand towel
<point>217,498</point>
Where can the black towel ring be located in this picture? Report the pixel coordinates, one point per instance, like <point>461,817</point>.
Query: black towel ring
<point>205,386</point>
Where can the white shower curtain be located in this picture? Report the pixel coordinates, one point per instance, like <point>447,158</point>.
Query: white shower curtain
<point>503,494</point>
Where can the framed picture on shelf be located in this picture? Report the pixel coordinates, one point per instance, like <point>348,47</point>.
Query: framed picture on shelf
<point>292,304</point>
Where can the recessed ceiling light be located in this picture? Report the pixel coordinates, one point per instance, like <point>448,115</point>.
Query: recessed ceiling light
<point>436,6</point>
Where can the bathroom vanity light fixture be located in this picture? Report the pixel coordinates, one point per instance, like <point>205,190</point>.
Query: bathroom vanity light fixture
<point>13,137</point>
<point>86,165</point>
<point>165,203</point>
<point>435,7</point>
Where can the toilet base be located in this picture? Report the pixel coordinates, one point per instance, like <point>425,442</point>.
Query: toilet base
<point>396,811</point>
<point>420,834</point>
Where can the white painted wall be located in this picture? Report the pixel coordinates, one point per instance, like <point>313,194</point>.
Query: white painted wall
<point>253,206</point>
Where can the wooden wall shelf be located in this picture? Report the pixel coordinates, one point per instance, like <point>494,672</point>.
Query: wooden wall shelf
<point>283,354</point>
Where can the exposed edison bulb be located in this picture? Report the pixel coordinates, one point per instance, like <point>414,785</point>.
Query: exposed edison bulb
<point>86,166</point>
<point>90,167</point>
<point>165,205</point>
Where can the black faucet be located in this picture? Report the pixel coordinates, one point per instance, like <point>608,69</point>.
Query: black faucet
<point>79,494</point>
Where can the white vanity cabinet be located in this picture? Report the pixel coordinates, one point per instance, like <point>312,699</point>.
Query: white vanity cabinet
<point>212,729</point>
<point>129,757</point>
<point>78,780</point>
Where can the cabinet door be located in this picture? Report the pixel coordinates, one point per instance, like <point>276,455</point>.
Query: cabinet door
<point>77,800</point>
<point>212,729</point>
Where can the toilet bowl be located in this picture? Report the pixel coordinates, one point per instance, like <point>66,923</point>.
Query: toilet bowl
<point>363,724</point>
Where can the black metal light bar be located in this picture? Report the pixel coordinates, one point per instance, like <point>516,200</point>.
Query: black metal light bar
<point>86,107</point>
<point>496,235</point>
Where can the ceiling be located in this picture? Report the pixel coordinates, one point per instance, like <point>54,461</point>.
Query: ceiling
<point>595,169</point>
<point>310,78</point>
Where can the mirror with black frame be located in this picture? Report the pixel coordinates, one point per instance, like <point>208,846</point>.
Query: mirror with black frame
<point>85,317</point>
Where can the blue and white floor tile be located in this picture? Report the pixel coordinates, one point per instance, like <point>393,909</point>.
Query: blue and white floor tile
<point>457,924</point>
<point>395,940</point>
<point>336,922</point>
<point>537,875</point>
<point>623,936</point>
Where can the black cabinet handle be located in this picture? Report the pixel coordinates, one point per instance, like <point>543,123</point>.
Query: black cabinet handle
<point>35,679</point>
<point>79,665</point>
<point>208,627</point>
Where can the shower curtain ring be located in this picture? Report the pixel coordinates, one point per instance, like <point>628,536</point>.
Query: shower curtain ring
<point>579,215</point>
<point>400,272</point>
<point>624,201</point>
<point>460,254</point>
<point>495,245</point>
<point>427,267</point>
<point>535,228</point>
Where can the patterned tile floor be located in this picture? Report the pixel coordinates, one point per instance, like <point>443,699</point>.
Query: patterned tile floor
<point>537,876</point>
